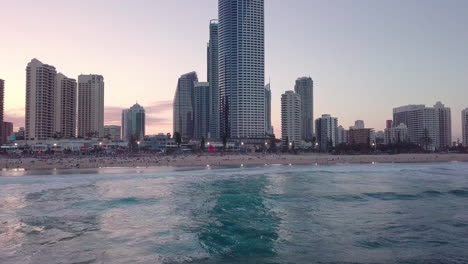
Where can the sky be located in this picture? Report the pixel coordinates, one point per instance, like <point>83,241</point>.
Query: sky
<point>365,56</point>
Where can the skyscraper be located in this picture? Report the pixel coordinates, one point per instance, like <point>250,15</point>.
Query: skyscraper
<point>2,98</point>
<point>268,127</point>
<point>325,131</point>
<point>465,127</point>
<point>444,116</point>
<point>133,123</point>
<point>304,86</point>
<point>183,105</point>
<point>65,106</point>
<point>201,109</point>
<point>40,99</point>
<point>213,79</point>
<point>421,122</point>
<point>291,118</point>
<point>241,68</point>
<point>91,105</point>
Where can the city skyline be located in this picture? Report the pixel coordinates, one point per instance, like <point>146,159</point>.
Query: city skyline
<point>425,64</point>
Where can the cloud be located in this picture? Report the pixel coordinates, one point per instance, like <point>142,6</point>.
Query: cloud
<point>157,115</point>
<point>15,116</point>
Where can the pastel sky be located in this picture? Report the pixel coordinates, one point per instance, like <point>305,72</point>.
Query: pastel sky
<point>365,56</point>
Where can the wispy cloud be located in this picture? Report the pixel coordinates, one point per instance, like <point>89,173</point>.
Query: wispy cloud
<point>16,116</point>
<point>156,115</point>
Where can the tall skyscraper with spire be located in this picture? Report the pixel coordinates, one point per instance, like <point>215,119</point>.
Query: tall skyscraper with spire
<point>213,79</point>
<point>241,69</point>
<point>40,100</point>
<point>305,88</point>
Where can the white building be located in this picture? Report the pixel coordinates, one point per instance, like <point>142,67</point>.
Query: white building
<point>444,116</point>
<point>40,99</point>
<point>341,135</point>
<point>65,106</point>
<point>291,129</point>
<point>183,106</point>
<point>325,131</point>
<point>465,127</point>
<point>421,122</point>
<point>241,69</point>
<point>396,134</point>
<point>112,132</point>
<point>90,106</point>
<point>268,127</point>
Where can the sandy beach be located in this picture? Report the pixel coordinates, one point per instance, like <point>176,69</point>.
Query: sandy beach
<point>218,160</point>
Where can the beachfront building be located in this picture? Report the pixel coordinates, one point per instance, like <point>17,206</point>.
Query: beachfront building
<point>443,114</point>
<point>2,98</point>
<point>465,127</point>
<point>360,136</point>
<point>268,127</point>
<point>112,132</point>
<point>65,107</point>
<point>325,131</point>
<point>183,122</point>
<point>241,69</point>
<point>341,135</point>
<point>304,87</point>
<point>423,128</point>
<point>133,123</point>
<point>394,135</point>
<point>291,119</point>
<point>201,110</point>
<point>7,131</point>
<point>90,106</point>
<point>213,79</point>
<point>40,89</point>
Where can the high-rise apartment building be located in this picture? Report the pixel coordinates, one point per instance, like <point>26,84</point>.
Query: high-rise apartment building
<point>342,135</point>
<point>421,122</point>
<point>305,88</point>
<point>183,121</point>
<point>465,127</point>
<point>325,131</point>
<point>291,125</point>
<point>112,132</point>
<point>40,100</point>
<point>2,101</point>
<point>7,131</point>
<point>90,106</point>
<point>213,79</point>
<point>241,68</point>
<point>65,106</point>
<point>430,127</point>
<point>268,127</point>
<point>394,135</point>
<point>444,116</point>
<point>201,109</point>
<point>133,123</point>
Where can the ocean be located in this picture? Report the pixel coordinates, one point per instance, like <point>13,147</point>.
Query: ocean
<point>361,213</point>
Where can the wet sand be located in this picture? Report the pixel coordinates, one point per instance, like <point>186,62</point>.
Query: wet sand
<point>218,160</point>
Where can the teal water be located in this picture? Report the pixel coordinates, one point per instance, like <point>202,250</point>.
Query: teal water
<point>381,213</point>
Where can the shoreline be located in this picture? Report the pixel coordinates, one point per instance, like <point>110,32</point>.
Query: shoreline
<point>219,161</point>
